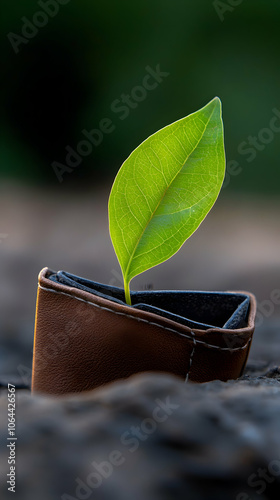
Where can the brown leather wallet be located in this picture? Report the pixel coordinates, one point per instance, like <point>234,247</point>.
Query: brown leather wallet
<point>83,339</point>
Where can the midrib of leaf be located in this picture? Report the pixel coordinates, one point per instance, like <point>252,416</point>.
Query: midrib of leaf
<point>162,197</point>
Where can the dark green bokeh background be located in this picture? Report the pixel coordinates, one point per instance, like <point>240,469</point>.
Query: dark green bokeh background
<point>66,77</point>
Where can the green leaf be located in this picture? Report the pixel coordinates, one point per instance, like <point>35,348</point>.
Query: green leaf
<point>165,189</point>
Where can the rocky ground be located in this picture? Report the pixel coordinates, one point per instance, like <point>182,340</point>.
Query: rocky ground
<point>215,441</point>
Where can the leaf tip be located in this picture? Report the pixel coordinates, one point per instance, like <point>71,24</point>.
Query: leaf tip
<point>218,101</point>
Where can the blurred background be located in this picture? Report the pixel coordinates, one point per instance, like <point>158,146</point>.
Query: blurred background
<point>73,70</point>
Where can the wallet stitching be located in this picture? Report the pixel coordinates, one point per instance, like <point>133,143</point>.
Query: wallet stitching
<point>191,357</point>
<point>211,346</point>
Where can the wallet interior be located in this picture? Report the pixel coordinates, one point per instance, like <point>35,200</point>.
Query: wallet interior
<point>195,309</point>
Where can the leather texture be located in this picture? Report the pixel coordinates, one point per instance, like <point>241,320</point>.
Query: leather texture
<point>86,336</point>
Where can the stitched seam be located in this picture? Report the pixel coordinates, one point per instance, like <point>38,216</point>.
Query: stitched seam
<point>191,357</point>
<point>142,320</point>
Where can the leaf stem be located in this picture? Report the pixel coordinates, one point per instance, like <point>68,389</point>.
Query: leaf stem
<point>127,293</point>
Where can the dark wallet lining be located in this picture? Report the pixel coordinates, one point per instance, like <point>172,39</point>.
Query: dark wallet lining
<point>201,310</point>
